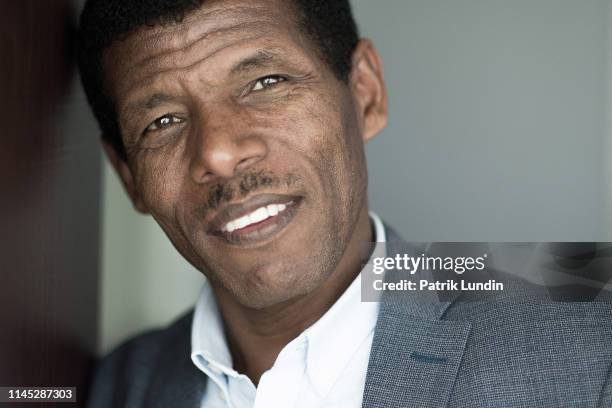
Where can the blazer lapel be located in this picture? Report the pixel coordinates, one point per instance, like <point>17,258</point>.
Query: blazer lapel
<point>415,355</point>
<point>413,362</point>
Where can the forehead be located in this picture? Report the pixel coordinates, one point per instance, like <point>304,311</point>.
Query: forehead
<point>217,31</point>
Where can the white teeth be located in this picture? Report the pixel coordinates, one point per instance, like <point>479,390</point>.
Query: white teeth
<point>259,215</point>
<point>243,222</point>
<point>230,227</point>
<point>272,210</point>
<point>256,216</point>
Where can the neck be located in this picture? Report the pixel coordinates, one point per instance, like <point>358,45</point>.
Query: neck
<point>256,336</point>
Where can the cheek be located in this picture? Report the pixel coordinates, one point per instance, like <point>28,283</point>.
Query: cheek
<point>318,133</point>
<point>159,182</point>
<point>335,146</point>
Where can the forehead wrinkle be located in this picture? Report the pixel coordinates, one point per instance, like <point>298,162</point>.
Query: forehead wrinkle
<point>179,53</point>
<point>198,22</point>
<point>196,26</point>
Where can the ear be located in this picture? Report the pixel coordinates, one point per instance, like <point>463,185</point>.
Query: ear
<point>368,86</point>
<point>125,174</point>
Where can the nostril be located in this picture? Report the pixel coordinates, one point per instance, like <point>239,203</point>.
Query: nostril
<point>207,177</point>
<point>245,163</point>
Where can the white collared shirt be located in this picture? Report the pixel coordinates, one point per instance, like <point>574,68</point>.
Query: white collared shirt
<point>325,366</point>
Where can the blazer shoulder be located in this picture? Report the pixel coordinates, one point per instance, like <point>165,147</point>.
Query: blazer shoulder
<point>121,378</point>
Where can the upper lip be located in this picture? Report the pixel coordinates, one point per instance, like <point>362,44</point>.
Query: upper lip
<point>231,212</point>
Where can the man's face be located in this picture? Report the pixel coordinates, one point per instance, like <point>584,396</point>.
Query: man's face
<point>243,145</point>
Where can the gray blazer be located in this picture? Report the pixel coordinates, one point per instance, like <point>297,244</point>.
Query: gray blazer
<point>425,353</point>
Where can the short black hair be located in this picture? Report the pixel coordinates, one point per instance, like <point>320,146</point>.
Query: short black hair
<point>329,23</point>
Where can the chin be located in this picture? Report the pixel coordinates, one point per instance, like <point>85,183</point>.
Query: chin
<point>270,286</point>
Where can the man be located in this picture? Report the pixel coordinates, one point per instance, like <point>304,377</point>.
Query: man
<point>240,125</point>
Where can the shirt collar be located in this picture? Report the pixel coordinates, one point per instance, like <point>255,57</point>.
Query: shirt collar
<point>334,339</point>
<point>209,350</point>
<point>379,228</point>
<point>330,342</point>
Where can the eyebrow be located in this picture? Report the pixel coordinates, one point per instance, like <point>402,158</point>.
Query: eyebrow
<point>149,103</point>
<point>261,59</point>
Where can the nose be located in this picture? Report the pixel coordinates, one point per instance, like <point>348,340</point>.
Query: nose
<point>223,146</point>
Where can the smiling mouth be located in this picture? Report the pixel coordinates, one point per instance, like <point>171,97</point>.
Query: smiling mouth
<point>256,221</point>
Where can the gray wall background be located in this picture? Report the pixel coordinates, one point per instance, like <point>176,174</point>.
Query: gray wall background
<point>499,131</point>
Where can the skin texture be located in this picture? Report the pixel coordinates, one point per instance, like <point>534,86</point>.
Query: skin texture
<point>230,137</point>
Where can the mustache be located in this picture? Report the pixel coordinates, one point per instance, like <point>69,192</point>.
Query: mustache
<point>247,183</point>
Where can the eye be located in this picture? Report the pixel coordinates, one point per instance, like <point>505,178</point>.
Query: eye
<point>267,82</point>
<point>163,122</point>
